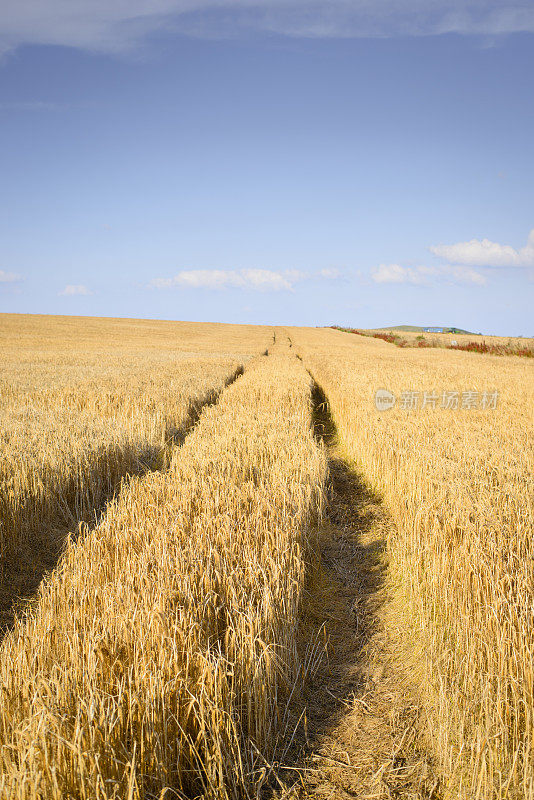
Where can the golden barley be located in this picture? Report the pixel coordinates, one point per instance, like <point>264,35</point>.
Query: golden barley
<point>85,402</point>
<point>160,652</point>
<point>458,483</point>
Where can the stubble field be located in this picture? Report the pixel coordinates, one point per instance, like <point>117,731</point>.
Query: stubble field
<point>244,580</point>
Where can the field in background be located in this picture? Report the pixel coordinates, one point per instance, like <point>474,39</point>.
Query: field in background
<point>34,337</point>
<point>162,652</point>
<point>497,345</point>
<point>458,483</point>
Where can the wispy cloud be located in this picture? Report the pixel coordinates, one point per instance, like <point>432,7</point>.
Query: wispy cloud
<point>423,275</point>
<point>259,279</point>
<point>10,277</point>
<point>118,25</point>
<point>330,273</point>
<point>395,273</point>
<point>75,289</point>
<point>484,253</point>
<point>465,275</point>
<point>263,279</point>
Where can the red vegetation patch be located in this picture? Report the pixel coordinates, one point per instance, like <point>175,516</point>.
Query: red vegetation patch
<point>494,349</point>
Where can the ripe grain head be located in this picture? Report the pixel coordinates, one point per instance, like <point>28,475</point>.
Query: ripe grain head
<point>459,486</point>
<point>159,653</point>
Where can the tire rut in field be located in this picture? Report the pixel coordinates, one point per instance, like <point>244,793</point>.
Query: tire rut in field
<point>359,738</point>
<point>23,571</point>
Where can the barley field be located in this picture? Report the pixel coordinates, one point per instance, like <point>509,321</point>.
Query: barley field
<point>198,519</point>
<point>458,483</point>
<point>160,651</point>
<point>83,404</point>
<point>468,342</point>
<point>445,339</point>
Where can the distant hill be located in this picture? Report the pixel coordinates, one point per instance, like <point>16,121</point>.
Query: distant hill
<point>419,329</point>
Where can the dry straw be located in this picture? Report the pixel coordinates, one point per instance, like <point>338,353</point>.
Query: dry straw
<point>84,403</point>
<point>459,486</point>
<point>161,651</point>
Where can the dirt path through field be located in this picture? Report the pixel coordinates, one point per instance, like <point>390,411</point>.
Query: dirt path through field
<point>359,736</point>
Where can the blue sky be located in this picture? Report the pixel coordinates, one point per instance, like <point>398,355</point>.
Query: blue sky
<point>307,163</point>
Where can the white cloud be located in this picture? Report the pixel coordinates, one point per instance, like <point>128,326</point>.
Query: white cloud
<point>463,274</point>
<point>330,273</point>
<point>264,279</point>
<point>198,279</point>
<point>9,277</point>
<point>396,273</point>
<point>74,289</point>
<point>485,253</point>
<point>118,25</point>
<point>295,275</point>
<point>260,279</point>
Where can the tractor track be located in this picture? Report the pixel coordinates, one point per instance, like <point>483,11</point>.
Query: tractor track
<point>24,569</point>
<point>358,730</point>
